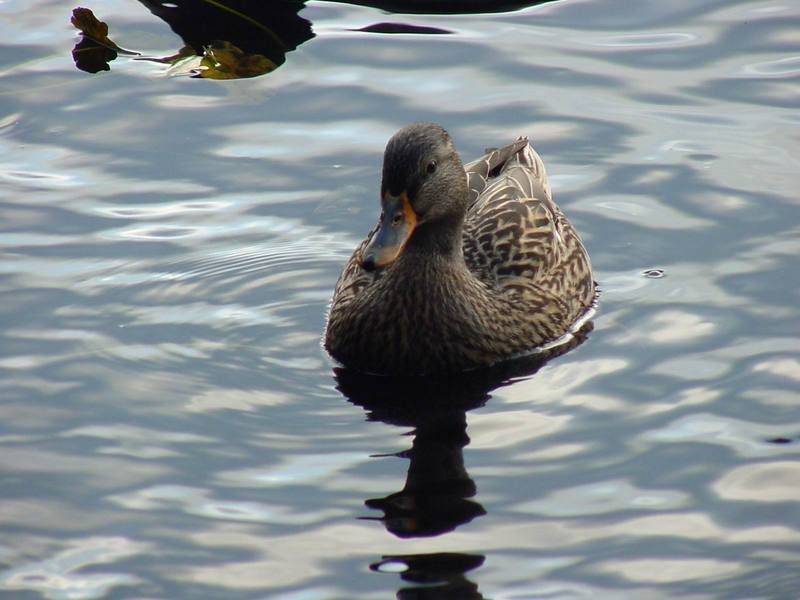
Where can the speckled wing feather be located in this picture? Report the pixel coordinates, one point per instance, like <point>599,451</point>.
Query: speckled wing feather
<point>354,278</point>
<point>515,236</point>
<point>481,169</point>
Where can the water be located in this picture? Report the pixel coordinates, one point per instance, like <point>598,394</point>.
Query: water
<point>171,427</point>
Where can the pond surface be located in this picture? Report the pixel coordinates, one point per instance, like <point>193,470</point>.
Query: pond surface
<point>171,428</point>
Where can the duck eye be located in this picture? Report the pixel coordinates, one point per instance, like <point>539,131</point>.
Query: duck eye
<point>431,168</point>
<point>396,219</point>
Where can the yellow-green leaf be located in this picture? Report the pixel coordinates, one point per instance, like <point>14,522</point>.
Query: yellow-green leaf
<point>223,60</point>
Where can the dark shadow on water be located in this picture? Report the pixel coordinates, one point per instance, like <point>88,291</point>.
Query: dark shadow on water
<point>438,494</point>
<point>247,38</point>
<point>269,29</point>
<point>444,7</point>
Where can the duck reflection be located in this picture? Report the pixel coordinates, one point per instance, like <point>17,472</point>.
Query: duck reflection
<point>436,497</point>
<point>438,494</point>
<point>247,38</point>
<point>443,575</point>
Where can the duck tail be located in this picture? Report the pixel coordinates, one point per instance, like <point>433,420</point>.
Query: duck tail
<point>532,164</point>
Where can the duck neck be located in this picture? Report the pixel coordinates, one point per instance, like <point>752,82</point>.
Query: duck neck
<point>439,241</point>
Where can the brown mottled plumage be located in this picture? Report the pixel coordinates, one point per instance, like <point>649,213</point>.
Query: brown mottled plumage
<point>492,267</point>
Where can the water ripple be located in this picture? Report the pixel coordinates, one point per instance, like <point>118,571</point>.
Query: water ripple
<point>59,577</point>
<point>169,247</point>
<point>746,438</point>
<point>782,67</point>
<point>652,40</point>
<point>602,498</point>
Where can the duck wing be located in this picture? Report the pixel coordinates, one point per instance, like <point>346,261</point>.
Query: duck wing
<point>515,236</point>
<point>354,278</point>
<point>482,169</point>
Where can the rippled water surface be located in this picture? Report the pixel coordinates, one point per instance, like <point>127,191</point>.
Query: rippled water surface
<point>171,428</point>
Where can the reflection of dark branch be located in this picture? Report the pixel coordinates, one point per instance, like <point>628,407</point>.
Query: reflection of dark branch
<point>401,28</point>
<point>442,574</point>
<point>269,29</point>
<point>260,33</point>
<point>445,7</point>
<point>238,38</point>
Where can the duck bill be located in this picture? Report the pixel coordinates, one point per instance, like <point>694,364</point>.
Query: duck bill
<point>397,224</point>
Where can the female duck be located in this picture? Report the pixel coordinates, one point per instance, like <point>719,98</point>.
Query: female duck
<point>468,265</point>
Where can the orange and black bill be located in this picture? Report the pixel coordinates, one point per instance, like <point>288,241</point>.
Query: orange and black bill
<point>397,224</point>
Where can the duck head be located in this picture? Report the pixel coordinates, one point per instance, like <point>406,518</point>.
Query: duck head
<point>423,194</point>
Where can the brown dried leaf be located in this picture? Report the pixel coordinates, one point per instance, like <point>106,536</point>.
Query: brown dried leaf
<point>94,29</point>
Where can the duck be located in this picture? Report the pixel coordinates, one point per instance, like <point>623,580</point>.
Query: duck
<point>468,265</point>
